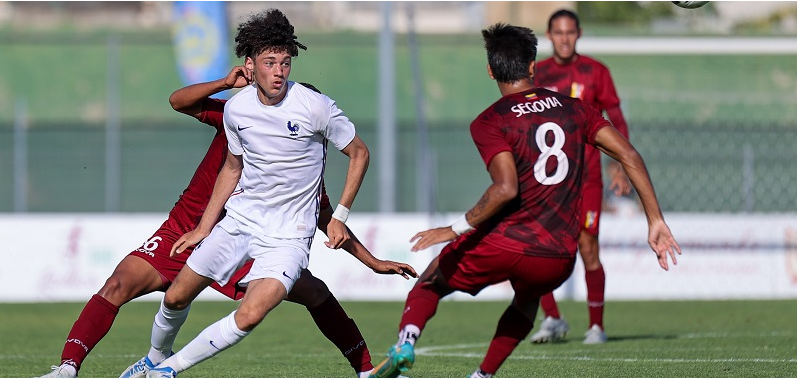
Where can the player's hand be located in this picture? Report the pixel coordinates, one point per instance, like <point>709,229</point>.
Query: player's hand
<point>238,77</point>
<point>663,243</point>
<point>431,237</point>
<point>620,184</point>
<point>392,267</point>
<point>337,234</point>
<point>188,239</point>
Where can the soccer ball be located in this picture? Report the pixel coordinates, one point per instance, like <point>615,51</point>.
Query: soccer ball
<point>690,4</point>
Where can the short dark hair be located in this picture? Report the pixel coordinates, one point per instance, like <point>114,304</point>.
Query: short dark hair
<point>311,87</point>
<point>267,30</point>
<point>510,51</point>
<point>563,13</point>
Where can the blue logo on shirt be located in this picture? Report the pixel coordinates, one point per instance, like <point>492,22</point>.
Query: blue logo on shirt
<point>294,129</point>
<point>243,128</point>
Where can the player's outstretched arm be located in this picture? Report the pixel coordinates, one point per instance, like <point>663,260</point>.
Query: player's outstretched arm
<point>228,178</point>
<point>358,250</point>
<point>359,157</point>
<point>188,100</point>
<point>611,142</point>
<point>504,188</point>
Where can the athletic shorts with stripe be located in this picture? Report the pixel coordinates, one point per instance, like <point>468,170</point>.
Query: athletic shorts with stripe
<point>231,243</point>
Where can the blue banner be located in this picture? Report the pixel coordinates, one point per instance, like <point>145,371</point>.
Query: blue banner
<point>201,40</point>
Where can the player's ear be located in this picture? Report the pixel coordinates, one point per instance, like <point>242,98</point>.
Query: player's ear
<point>579,33</point>
<point>249,63</point>
<point>532,66</point>
<point>490,72</point>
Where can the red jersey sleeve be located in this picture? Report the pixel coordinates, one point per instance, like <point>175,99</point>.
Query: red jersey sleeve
<point>488,137</point>
<point>212,112</point>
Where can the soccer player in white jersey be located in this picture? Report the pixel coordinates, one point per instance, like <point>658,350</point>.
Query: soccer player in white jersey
<point>277,132</point>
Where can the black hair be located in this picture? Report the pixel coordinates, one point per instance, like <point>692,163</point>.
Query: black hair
<point>267,30</point>
<point>510,51</point>
<point>563,13</point>
<point>311,87</point>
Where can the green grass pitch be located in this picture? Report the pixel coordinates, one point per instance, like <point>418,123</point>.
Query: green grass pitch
<point>646,339</point>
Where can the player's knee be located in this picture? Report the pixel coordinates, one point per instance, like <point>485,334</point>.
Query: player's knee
<point>115,291</point>
<point>246,319</point>
<point>174,301</point>
<point>588,248</point>
<point>309,291</point>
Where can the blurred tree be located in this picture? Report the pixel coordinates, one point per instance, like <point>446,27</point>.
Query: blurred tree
<point>623,12</point>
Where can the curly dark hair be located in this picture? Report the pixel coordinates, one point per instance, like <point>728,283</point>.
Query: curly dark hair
<point>269,30</point>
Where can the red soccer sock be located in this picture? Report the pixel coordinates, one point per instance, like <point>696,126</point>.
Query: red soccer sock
<point>336,325</point>
<point>512,328</point>
<point>548,304</point>
<point>90,327</point>
<point>596,285</point>
<point>421,305</point>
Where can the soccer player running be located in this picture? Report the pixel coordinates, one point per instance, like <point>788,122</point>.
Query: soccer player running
<point>525,227</point>
<point>149,268</point>
<point>276,132</point>
<point>581,76</point>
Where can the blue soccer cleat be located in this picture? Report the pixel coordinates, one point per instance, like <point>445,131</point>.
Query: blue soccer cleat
<point>399,360</point>
<point>138,369</point>
<point>164,372</point>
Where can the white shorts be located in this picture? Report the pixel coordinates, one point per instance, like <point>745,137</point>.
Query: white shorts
<point>231,243</point>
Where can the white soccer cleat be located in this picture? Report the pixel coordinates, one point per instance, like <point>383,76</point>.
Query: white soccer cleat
<point>138,369</point>
<point>480,374</point>
<point>63,371</point>
<point>551,329</point>
<point>595,335</point>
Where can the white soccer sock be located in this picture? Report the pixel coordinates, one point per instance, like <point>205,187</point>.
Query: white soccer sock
<point>164,330</point>
<point>409,334</point>
<point>365,374</point>
<point>214,339</point>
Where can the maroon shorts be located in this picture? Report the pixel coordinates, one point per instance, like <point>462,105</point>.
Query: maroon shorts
<point>470,267</point>
<point>156,252</point>
<point>591,202</point>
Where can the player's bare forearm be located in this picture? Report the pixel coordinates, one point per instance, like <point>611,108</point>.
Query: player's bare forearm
<point>619,179</point>
<point>359,158</point>
<point>228,178</point>
<point>188,100</point>
<point>354,247</point>
<point>660,238</point>
<point>612,143</point>
<point>351,245</point>
<point>225,183</point>
<point>503,189</point>
<point>637,173</point>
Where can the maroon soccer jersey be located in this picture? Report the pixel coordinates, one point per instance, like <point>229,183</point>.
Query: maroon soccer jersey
<point>546,133</point>
<point>188,209</point>
<point>589,80</point>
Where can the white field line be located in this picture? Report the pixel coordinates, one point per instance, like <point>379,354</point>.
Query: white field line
<point>433,352</point>
<point>609,359</point>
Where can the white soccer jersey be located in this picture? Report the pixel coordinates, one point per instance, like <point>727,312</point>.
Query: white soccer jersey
<point>284,152</point>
